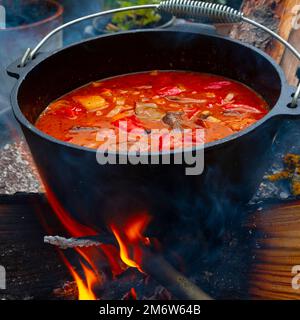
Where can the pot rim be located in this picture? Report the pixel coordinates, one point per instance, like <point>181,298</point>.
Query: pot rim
<point>58,13</point>
<point>275,111</point>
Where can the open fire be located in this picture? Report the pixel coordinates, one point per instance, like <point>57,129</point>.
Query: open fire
<point>125,253</point>
<point>108,259</point>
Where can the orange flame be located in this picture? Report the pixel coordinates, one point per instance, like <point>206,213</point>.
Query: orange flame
<point>85,288</point>
<point>72,226</point>
<point>85,291</point>
<point>130,237</point>
<point>75,229</point>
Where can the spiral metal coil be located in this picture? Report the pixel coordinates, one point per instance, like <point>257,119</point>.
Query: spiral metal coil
<point>191,9</point>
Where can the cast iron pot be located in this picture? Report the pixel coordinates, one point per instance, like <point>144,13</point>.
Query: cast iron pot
<point>93,193</point>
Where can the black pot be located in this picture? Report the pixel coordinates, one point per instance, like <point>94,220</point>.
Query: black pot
<point>92,193</point>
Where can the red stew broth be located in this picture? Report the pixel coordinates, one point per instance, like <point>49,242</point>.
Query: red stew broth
<point>174,100</point>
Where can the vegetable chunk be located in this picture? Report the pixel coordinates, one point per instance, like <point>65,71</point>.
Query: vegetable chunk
<point>92,103</point>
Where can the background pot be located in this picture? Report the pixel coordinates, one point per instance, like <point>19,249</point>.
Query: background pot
<point>100,24</point>
<point>27,32</point>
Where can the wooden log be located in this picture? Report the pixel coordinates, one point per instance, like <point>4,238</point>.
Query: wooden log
<point>33,269</point>
<point>284,11</point>
<point>264,12</point>
<point>278,16</point>
<point>289,62</point>
<point>276,253</point>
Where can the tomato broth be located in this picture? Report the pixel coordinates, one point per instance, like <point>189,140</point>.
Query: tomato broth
<point>151,102</point>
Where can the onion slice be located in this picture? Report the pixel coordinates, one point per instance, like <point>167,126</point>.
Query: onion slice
<point>186,100</point>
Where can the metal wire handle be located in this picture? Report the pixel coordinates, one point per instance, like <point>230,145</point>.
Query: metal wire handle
<point>189,9</point>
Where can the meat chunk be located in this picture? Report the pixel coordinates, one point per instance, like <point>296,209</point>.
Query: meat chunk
<point>173,119</point>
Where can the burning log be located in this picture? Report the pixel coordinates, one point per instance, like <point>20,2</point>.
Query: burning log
<point>154,264</point>
<point>164,273</point>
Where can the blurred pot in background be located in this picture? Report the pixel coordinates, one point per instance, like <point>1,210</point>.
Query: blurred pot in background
<point>74,9</point>
<point>130,20</point>
<point>26,23</point>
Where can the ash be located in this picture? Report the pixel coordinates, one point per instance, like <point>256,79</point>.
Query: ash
<point>287,141</point>
<point>17,171</point>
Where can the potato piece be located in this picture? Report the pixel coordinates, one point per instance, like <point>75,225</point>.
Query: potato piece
<point>205,114</point>
<point>123,115</point>
<point>91,103</point>
<point>213,119</point>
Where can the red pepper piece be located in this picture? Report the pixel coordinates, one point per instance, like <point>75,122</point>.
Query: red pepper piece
<point>128,124</point>
<point>70,112</point>
<point>169,91</point>
<point>217,85</point>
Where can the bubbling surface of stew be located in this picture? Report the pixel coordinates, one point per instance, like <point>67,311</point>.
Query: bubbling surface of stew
<point>177,101</point>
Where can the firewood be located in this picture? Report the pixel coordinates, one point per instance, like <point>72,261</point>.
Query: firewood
<point>278,15</point>
<point>277,252</point>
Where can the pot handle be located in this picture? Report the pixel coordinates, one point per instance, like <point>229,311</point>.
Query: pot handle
<point>286,108</point>
<point>190,9</point>
<point>15,69</point>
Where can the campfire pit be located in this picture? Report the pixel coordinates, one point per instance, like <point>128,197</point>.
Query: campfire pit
<point>208,241</point>
<point>152,263</point>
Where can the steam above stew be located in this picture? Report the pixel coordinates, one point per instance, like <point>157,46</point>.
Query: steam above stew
<point>149,102</point>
